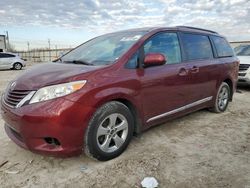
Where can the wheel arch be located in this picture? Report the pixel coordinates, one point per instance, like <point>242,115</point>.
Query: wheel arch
<point>127,101</point>
<point>135,113</point>
<point>130,97</point>
<point>16,63</point>
<point>230,83</point>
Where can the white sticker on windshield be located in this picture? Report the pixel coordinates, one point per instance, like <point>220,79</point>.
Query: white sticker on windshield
<point>133,38</point>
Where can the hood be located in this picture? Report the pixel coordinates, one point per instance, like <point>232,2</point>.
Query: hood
<point>52,73</point>
<point>244,59</point>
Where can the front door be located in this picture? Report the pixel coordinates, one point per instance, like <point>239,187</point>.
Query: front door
<point>165,88</point>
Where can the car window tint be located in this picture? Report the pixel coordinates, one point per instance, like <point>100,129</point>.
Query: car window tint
<point>3,55</point>
<point>7,55</point>
<point>222,47</point>
<point>133,61</point>
<point>166,44</point>
<point>196,46</point>
<point>244,51</point>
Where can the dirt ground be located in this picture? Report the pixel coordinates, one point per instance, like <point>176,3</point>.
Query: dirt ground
<point>202,149</point>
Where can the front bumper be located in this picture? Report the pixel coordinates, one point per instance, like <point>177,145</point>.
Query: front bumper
<point>244,77</point>
<point>62,119</point>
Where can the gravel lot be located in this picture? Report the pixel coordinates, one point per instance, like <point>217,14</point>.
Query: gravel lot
<point>202,149</point>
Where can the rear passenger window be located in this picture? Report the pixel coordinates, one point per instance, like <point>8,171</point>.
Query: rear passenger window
<point>167,44</point>
<point>222,47</point>
<point>9,55</point>
<point>196,46</point>
<point>3,55</point>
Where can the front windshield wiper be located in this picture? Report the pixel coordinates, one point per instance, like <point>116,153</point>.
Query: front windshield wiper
<point>56,60</point>
<point>79,62</point>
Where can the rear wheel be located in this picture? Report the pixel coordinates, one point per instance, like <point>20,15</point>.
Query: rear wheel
<point>109,131</point>
<point>222,98</point>
<point>17,66</point>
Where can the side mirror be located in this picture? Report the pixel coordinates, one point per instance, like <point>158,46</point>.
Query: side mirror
<point>154,59</point>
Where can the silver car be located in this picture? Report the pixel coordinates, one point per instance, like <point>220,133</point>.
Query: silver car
<point>11,61</point>
<point>243,53</point>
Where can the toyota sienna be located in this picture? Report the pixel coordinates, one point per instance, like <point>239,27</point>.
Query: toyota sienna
<point>95,97</point>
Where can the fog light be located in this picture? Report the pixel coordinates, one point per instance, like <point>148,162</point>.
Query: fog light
<point>52,141</point>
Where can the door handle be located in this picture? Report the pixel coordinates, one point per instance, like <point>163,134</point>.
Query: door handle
<point>194,69</point>
<point>183,72</point>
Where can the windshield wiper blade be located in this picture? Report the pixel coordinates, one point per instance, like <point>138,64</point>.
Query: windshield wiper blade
<point>79,62</point>
<point>58,59</point>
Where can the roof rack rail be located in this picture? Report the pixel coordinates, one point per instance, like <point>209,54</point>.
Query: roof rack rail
<point>189,27</point>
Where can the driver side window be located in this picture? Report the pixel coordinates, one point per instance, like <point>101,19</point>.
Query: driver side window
<point>165,43</point>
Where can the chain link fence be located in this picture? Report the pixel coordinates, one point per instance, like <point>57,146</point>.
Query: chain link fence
<point>42,55</point>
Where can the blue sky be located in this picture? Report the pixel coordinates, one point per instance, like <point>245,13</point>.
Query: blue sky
<point>69,23</point>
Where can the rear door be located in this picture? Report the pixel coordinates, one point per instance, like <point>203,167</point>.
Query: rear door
<point>203,67</point>
<point>229,65</point>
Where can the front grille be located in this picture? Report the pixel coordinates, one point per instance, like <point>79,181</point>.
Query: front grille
<point>243,67</point>
<point>12,98</point>
<point>242,74</point>
<point>240,80</point>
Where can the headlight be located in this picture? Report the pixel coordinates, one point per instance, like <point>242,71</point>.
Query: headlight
<point>54,91</point>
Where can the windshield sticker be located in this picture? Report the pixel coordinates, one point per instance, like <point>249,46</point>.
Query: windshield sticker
<point>133,38</point>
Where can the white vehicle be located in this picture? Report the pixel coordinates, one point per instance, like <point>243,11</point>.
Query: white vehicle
<point>243,54</point>
<point>11,61</point>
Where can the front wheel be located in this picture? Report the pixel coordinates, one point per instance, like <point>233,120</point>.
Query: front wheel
<point>222,98</point>
<point>109,131</point>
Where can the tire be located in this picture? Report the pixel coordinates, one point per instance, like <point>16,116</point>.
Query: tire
<point>222,98</point>
<point>17,66</point>
<point>109,131</point>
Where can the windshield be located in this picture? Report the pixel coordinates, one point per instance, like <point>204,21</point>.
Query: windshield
<point>243,50</point>
<point>103,50</point>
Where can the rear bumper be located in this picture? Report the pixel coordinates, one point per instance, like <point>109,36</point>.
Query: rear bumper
<point>66,121</point>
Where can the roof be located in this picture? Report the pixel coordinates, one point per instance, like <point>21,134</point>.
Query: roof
<point>240,41</point>
<point>196,29</point>
<point>179,28</point>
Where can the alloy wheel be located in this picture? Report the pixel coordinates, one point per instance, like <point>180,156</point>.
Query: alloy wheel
<point>18,66</point>
<point>223,98</point>
<point>112,132</point>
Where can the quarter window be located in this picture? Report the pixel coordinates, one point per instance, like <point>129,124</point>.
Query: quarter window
<point>196,47</point>
<point>167,44</point>
<point>222,47</point>
<point>133,61</point>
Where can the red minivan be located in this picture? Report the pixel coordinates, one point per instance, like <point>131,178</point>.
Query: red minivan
<point>95,97</point>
